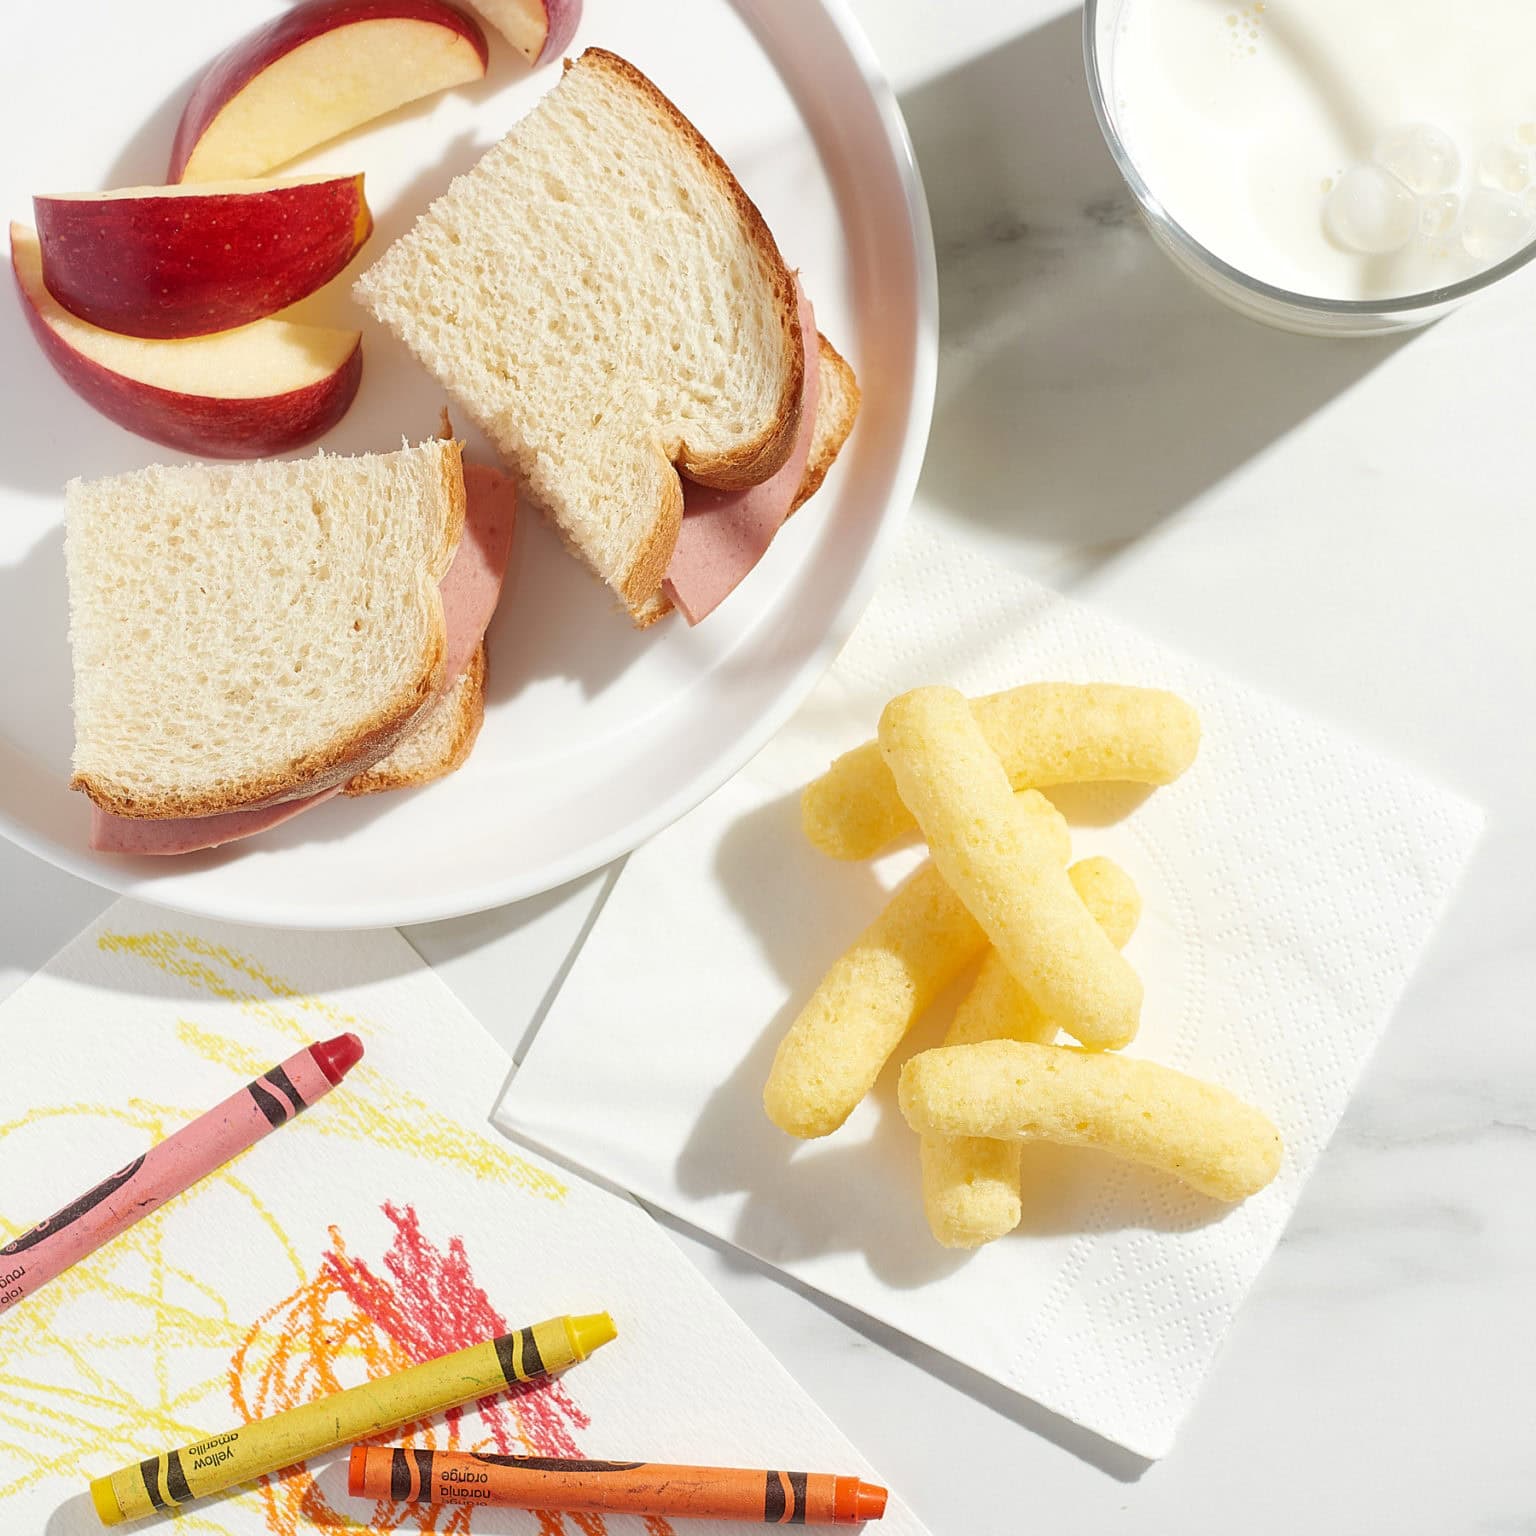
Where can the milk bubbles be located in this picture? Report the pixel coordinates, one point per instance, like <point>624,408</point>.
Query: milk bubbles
<point>1330,147</point>
<point>1423,158</point>
<point>1410,192</point>
<point>1505,168</point>
<point>1369,210</point>
<point>1438,213</point>
<point>1494,225</point>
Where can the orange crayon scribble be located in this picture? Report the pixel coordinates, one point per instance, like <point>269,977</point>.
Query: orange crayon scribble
<point>351,1323</point>
<point>375,1109</point>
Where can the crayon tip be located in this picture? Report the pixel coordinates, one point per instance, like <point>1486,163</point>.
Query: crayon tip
<point>108,1510</point>
<point>337,1057</point>
<point>869,1502</point>
<point>357,1463</point>
<point>590,1332</point>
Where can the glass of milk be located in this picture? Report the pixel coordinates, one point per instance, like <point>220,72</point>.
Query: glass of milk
<point>1340,167</point>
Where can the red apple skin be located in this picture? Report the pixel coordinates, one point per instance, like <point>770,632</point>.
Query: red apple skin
<point>239,64</point>
<point>199,424</point>
<point>551,23</point>
<point>171,267</point>
<point>562,18</point>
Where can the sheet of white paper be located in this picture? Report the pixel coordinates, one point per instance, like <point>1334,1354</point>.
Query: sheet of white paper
<point>1290,879</point>
<point>388,1223</point>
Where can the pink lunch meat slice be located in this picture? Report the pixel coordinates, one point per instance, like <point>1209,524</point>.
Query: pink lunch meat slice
<point>472,587</point>
<point>187,834</point>
<point>471,590</point>
<point>725,533</point>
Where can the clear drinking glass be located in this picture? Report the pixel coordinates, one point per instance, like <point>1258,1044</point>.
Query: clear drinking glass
<point>1259,300</point>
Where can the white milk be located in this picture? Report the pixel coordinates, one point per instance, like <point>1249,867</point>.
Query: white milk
<point>1350,149</point>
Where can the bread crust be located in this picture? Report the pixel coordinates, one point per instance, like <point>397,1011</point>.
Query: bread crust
<point>470,717</point>
<point>642,582</point>
<point>652,612</point>
<point>372,739</point>
<point>836,412</point>
<point>826,447</point>
<point>752,462</point>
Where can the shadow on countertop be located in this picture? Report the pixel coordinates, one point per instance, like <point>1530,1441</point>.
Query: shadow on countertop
<point>1087,389</point>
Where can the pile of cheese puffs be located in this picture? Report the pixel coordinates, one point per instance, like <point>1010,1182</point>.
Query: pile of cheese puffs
<point>999,886</point>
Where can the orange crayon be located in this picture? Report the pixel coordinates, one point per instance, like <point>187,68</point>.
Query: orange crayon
<point>400,1476</point>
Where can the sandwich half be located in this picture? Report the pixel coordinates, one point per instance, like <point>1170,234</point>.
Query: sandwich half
<point>607,304</point>
<point>251,639</point>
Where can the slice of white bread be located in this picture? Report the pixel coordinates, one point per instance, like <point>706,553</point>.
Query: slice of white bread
<point>441,741</point>
<point>606,303</point>
<point>837,408</point>
<point>245,634</point>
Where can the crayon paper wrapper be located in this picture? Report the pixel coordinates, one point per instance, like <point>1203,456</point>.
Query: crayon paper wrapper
<point>1289,879</point>
<point>387,1224</point>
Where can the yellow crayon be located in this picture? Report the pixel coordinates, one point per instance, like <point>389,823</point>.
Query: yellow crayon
<point>239,1455</point>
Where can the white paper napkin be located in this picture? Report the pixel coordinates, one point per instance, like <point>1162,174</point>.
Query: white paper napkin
<point>387,1224</point>
<point>1290,879</point>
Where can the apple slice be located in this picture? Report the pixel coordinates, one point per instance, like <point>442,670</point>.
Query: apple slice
<point>264,388</point>
<point>538,29</point>
<point>187,260</point>
<point>315,71</point>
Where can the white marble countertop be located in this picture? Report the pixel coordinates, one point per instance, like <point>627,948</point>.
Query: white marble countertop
<point>1347,524</point>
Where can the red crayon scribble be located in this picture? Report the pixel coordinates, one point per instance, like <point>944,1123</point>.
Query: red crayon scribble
<point>435,1306</point>
<point>426,1304</point>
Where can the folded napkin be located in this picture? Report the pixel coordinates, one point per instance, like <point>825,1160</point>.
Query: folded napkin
<point>1290,879</point>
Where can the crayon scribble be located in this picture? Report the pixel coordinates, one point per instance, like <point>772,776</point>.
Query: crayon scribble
<point>426,1303</point>
<point>375,1108</point>
<point>105,1396</point>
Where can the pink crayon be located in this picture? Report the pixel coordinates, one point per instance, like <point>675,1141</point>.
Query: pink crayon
<point>175,1164</point>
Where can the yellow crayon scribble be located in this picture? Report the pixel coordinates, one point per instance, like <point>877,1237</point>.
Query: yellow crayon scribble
<point>58,1376</point>
<point>375,1109</point>
<point>194,959</point>
<point>103,1396</point>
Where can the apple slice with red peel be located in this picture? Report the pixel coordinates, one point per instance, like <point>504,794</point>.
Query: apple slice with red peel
<point>263,388</point>
<point>538,29</point>
<point>191,259</point>
<point>317,70</point>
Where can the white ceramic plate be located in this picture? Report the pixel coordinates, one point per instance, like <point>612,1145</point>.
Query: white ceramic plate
<point>595,737</point>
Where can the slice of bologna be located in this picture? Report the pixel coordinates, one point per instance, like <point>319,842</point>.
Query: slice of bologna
<point>471,590</point>
<point>472,587</point>
<point>725,533</point>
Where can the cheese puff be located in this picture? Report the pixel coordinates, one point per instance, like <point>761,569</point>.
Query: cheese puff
<point>1044,733</point>
<point>997,860</point>
<point>1137,1110</point>
<point>877,990</point>
<point>971,1184</point>
<point>998,1008</point>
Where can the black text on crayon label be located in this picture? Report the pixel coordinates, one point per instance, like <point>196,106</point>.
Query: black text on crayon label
<point>449,1488</point>
<point>208,1454</point>
<point>203,1447</point>
<point>73,1211</point>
